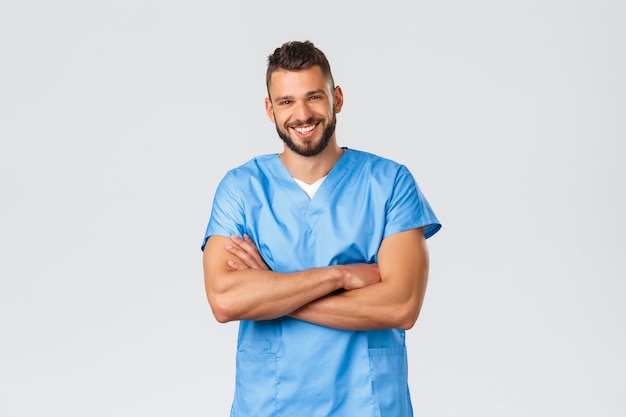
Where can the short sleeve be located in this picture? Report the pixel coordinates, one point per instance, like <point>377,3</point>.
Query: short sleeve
<point>227,214</point>
<point>408,207</point>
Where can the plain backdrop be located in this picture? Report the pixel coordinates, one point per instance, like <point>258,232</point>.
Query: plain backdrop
<point>118,119</point>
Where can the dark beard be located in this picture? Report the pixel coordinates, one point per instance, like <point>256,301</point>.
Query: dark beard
<point>308,151</point>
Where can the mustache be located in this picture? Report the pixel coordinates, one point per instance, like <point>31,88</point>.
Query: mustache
<point>309,121</point>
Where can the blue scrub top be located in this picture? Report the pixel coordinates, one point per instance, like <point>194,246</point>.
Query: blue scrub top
<point>288,367</point>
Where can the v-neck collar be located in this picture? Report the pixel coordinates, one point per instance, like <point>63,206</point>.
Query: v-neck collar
<point>310,209</point>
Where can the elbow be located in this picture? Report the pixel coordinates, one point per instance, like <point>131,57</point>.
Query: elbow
<point>407,316</point>
<point>222,302</point>
<point>222,310</point>
<point>406,322</point>
<point>221,319</point>
<point>409,309</point>
<point>221,316</point>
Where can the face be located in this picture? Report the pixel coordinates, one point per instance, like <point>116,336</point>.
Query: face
<point>303,106</point>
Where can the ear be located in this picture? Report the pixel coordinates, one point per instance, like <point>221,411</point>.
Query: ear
<point>338,94</point>
<point>269,109</point>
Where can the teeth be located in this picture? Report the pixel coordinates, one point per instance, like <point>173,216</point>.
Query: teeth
<point>304,130</point>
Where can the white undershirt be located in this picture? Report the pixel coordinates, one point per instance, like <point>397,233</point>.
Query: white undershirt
<point>310,189</point>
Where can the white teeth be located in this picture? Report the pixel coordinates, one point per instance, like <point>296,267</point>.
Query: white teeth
<point>304,130</point>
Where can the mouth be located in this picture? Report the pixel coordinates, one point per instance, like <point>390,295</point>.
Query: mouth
<point>305,130</point>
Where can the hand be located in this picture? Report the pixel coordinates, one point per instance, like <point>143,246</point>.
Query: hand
<point>247,251</point>
<point>360,275</point>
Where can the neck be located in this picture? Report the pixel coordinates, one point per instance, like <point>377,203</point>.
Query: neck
<point>311,168</point>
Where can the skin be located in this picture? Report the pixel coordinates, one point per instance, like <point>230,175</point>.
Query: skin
<point>239,284</point>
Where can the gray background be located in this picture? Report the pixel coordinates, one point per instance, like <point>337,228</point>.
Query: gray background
<point>118,118</point>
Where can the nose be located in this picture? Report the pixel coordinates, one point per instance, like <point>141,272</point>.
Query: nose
<point>302,111</point>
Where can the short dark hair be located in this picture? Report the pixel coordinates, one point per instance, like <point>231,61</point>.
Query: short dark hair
<point>296,56</point>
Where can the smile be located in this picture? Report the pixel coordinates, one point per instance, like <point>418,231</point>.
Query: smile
<point>303,130</point>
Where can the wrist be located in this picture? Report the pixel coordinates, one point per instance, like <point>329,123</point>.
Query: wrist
<point>339,277</point>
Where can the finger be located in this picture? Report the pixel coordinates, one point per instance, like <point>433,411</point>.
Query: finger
<point>251,250</point>
<point>256,254</point>
<point>248,260</point>
<point>236,265</point>
<point>247,244</point>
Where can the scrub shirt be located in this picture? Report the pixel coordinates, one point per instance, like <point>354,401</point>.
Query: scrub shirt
<point>288,367</point>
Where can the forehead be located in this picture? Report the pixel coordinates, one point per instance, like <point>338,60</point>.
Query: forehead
<point>293,83</point>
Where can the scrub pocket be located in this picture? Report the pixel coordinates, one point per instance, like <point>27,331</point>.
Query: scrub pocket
<point>256,380</point>
<point>388,370</point>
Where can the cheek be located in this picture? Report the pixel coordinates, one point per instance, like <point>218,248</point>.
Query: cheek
<point>279,119</point>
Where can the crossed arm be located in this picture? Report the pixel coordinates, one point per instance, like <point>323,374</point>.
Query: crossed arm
<point>389,294</point>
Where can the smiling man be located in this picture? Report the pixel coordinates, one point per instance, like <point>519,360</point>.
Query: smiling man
<point>309,116</point>
<point>320,253</point>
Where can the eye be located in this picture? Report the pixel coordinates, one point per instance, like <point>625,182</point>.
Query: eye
<point>313,98</point>
<point>284,102</point>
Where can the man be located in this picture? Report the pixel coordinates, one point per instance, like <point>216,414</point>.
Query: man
<point>320,253</point>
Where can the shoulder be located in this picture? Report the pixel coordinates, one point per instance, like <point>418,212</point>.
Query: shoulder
<point>252,167</point>
<point>377,165</point>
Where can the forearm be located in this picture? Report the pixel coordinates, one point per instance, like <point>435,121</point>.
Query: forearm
<point>240,285</point>
<point>375,307</point>
<point>262,295</point>
<point>395,302</point>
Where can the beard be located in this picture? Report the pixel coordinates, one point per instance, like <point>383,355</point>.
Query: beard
<point>309,148</point>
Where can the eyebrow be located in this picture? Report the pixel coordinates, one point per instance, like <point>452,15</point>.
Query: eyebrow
<point>308,94</point>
